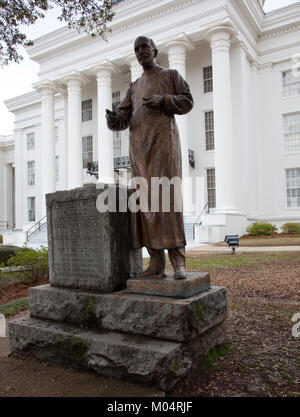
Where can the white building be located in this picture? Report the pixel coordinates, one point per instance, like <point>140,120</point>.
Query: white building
<point>244,130</point>
<point>7,182</point>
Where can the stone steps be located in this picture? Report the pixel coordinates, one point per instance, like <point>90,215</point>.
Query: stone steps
<point>114,354</point>
<point>179,320</point>
<point>189,222</point>
<point>40,238</point>
<point>96,313</point>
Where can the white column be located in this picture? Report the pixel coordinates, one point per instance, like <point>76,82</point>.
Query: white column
<point>47,90</point>
<point>19,179</point>
<point>135,68</point>
<point>177,50</point>
<point>104,73</point>
<point>219,38</point>
<point>65,160</point>
<point>75,80</point>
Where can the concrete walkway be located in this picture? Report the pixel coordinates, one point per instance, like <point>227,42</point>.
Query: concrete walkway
<point>226,249</point>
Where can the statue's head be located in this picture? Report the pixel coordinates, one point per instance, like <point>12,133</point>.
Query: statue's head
<point>145,50</point>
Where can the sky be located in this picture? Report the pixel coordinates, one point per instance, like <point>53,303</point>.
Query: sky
<point>16,79</point>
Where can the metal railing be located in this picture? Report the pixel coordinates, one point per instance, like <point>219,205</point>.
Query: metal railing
<point>37,227</point>
<point>198,221</point>
<point>122,162</point>
<point>92,168</point>
<point>119,162</point>
<point>4,225</point>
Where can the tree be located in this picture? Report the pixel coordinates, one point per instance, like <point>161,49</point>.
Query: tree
<point>90,16</point>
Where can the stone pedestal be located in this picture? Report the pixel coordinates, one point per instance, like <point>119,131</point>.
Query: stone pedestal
<point>88,249</point>
<point>152,330</point>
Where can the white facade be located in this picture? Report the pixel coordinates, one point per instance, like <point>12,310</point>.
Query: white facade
<point>253,144</point>
<point>7,181</point>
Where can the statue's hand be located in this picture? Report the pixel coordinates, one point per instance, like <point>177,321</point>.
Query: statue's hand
<point>154,102</point>
<point>111,117</point>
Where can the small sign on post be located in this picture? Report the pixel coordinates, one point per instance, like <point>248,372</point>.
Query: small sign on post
<point>233,242</point>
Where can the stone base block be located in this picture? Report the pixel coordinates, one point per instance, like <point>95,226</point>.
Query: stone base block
<point>89,249</point>
<point>194,283</point>
<point>158,317</point>
<point>120,355</point>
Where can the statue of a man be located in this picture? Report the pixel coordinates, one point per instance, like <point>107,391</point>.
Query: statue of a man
<point>148,110</point>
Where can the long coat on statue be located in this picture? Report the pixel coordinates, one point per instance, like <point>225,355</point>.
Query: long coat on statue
<point>154,149</point>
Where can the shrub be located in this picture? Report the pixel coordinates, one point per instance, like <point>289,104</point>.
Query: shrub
<point>33,264</point>
<point>261,229</point>
<point>291,228</point>
<point>14,307</point>
<point>1,239</point>
<point>7,252</point>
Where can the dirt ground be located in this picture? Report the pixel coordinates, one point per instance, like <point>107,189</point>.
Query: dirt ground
<point>16,290</point>
<point>261,358</point>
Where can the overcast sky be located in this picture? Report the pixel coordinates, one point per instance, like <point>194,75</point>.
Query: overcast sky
<point>16,79</point>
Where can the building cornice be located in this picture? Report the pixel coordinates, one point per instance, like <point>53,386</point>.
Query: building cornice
<point>6,143</point>
<point>281,21</point>
<point>134,13</point>
<point>28,99</point>
<point>113,54</point>
<point>278,32</point>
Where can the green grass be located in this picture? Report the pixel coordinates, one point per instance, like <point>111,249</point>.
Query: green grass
<point>216,353</point>
<point>208,261</point>
<point>14,307</point>
<point>265,241</point>
<point>214,261</point>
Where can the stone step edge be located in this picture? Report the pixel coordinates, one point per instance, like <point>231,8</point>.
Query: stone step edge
<point>111,353</point>
<point>151,316</point>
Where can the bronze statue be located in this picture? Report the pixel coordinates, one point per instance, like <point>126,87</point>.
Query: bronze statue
<point>148,109</point>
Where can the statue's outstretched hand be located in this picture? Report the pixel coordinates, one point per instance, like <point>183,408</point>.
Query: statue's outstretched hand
<point>111,117</point>
<point>154,102</point>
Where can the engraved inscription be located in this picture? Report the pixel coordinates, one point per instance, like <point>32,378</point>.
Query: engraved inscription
<point>77,238</point>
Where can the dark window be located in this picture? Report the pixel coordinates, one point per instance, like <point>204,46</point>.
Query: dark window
<point>31,209</point>
<point>209,131</point>
<point>208,79</point>
<point>87,110</point>
<point>211,188</point>
<point>87,150</point>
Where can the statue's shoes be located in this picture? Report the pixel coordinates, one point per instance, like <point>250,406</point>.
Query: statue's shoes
<point>152,273</point>
<point>180,273</point>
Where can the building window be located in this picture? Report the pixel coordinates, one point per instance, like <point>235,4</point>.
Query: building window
<point>208,79</point>
<point>117,144</point>
<point>209,131</point>
<point>31,209</point>
<point>56,135</point>
<point>293,187</point>
<point>116,99</point>
<point>211,188</point>
<point>31,173</point>
<point>292,132</point>
<point>87,110</point>
<point>30,141</point>
<point>57,168</point>
<point>291,84</point>
<point>87,150</point>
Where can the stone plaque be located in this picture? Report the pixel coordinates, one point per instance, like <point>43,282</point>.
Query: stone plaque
<point>88,249</point>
